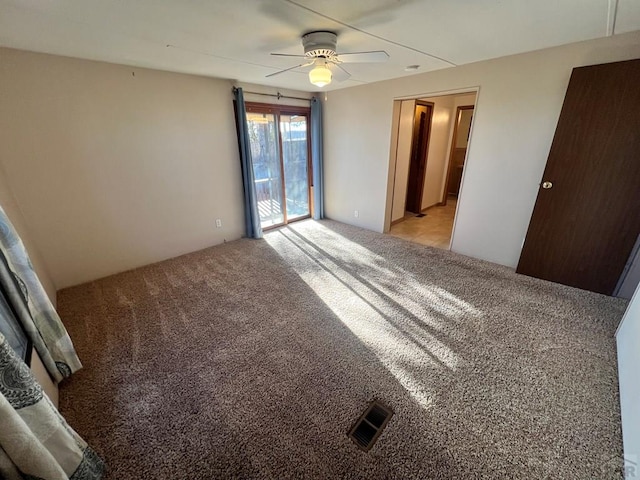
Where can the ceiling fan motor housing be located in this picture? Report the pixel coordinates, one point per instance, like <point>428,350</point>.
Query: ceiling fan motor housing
<point>320,44</point>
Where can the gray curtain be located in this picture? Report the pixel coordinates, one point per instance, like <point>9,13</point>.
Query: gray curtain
<point>251,216</point>
<point>32,306</point>
<point>316,155</point>
<point>35,441</point>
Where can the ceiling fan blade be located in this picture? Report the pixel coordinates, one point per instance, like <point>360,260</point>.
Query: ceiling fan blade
<point>378,56</point>
<point>339,74</point>
<point>288,69</point>
<point>288,55</point>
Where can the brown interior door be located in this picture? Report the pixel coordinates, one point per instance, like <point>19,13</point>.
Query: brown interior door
<point>418,163</point>
<point>587,214</point>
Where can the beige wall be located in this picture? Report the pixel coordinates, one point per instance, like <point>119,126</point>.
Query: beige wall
<point>462,140</point>
<point>438,156</point>
<point>104,167</point>
<point>9,205</point>
<point>395,130</point>
<point>465,99</point>
<point>115,167</point>
<point>517,109</point>
<point>403,158</point>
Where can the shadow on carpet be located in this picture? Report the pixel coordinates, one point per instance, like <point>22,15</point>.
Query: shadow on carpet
<point>253,359</point>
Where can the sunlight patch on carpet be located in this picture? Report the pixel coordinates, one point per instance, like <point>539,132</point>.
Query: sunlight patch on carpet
<point>336,270</point>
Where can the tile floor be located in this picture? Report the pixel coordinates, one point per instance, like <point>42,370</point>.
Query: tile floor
<point>434,229</point>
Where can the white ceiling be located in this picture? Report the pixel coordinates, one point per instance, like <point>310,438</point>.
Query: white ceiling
<point>232,38</point>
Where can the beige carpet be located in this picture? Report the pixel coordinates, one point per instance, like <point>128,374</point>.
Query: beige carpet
<point>254,358</point>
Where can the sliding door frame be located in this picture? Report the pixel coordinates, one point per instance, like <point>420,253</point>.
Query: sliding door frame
<point>277,111</point>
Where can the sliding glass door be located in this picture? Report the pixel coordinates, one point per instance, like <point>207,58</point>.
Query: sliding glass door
<point>280,155</point>
<point>295,159</point>
<point>265,155</point>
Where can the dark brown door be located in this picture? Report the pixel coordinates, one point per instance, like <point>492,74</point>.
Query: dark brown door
<point>587,215</point>
<point>419,149</point>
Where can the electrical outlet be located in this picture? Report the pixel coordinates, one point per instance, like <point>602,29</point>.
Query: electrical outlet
<point>356,213</point>
<point>218,223</point>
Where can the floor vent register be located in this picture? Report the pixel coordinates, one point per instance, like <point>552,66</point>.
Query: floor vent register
<point>370,425</point>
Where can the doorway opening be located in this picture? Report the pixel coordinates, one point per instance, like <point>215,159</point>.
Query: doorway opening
<point>281,157</point>
<point>430,140</point>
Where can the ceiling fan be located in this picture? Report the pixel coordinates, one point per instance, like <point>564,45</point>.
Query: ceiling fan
<point>320,52</point>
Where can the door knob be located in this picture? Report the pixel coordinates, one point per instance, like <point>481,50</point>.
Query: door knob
<point>547,185</point>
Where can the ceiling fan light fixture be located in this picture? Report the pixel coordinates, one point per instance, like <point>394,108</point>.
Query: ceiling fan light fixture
<point>320,76</point>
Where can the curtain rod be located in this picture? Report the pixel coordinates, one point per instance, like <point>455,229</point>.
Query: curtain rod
<point>278,95</point>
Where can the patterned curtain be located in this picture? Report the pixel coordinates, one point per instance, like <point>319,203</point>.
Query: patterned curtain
<point>32,306</point>
<point>35,441</point>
